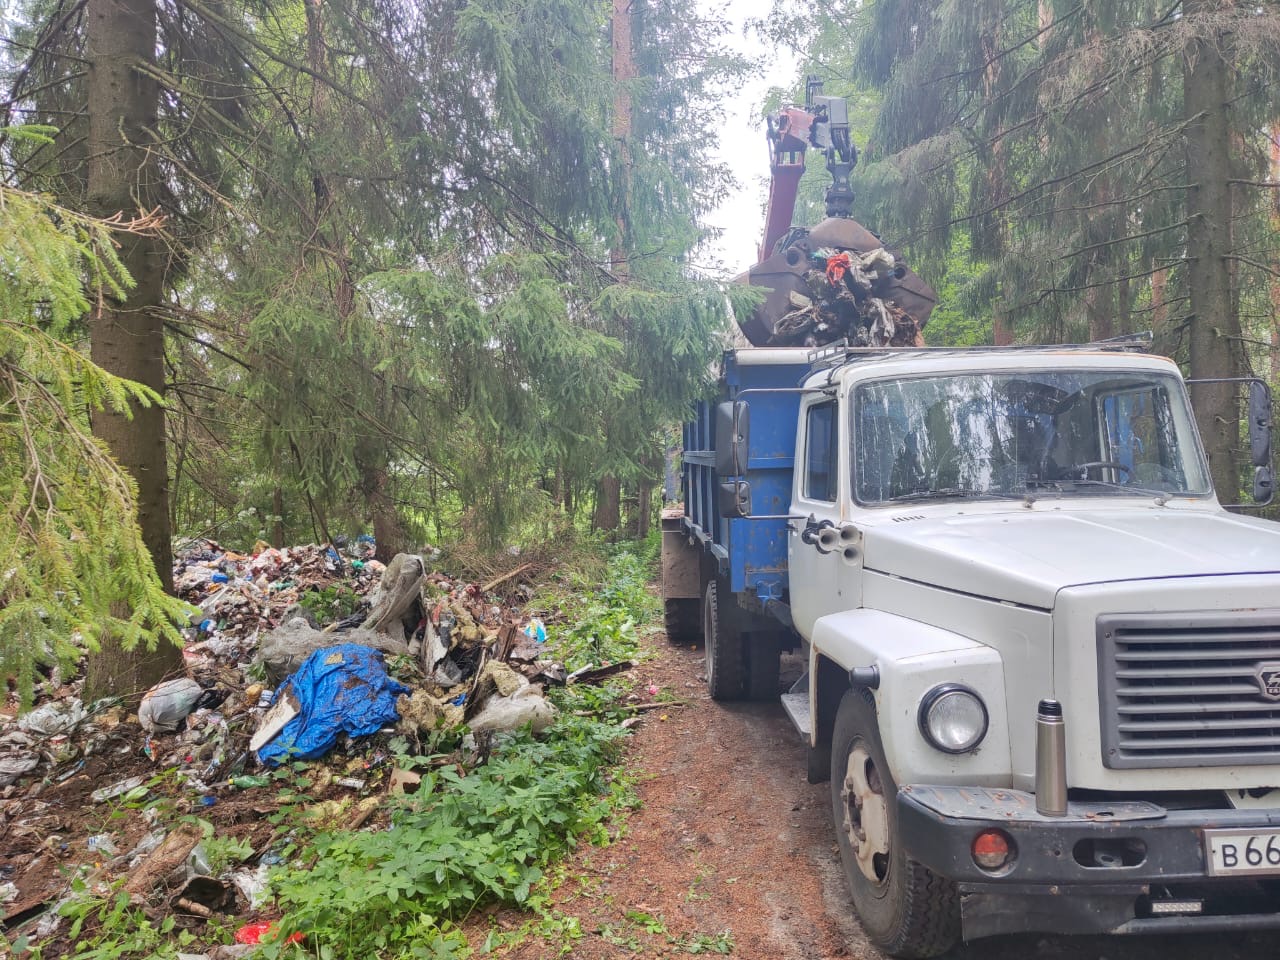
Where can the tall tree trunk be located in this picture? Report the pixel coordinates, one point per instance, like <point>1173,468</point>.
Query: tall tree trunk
<point>1099,303</point>
<point>1274,285</point>
<point>608,513</point>
<point>1159,308</point>
<point>1001,332</point>
<point>1215,327</point>
<point>127,336</point>
<point>387,531</point>
<point>644,508</point>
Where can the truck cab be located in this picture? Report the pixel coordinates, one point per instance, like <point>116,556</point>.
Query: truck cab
<point>957,542</point>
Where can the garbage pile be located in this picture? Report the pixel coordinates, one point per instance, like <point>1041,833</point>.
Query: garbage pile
<point>836,282</point>
<point>451,649</point>
<point>408,652</point>
<point>846,300</point>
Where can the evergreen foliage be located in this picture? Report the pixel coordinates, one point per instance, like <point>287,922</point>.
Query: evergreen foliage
<point>70,549</point>
<point>394,296</point>
<point>1052,153</point>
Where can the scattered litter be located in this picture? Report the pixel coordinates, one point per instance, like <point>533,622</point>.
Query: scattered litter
<point>198,864</point>
<point>167,704</point>
<point>102,843</point>
<point>13,767</point>
<point>536,630</point>
<point>404,781</point>
<point>285,648</point>
<point>53,718</point>
<point>397,603</point>
<point>145,846</point>
<point>247,781</point>
<point>526,706</point>
<point>342,689</point>
<point>593,674</point>
<point>172,852</point>
<point>202,896</point>
<point>117,789</point>
<point>417,652</point>
<point>252,884</point>
<point>276,719</point>
<point>258,932</point>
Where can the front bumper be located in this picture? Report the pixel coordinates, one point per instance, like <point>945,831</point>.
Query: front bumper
<point>1103,868</point>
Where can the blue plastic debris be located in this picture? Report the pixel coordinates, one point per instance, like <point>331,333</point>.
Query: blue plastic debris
<point>342,689</point>
<point>459,700</point>
<point>536,630</point>
<point>220,578</point>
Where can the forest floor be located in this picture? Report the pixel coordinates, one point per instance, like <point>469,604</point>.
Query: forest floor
<point>731,850</point>
<point>728,850</point>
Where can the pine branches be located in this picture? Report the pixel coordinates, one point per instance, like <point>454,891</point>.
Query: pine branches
<point>71,555</point>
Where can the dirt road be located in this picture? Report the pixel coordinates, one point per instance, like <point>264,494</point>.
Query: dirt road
<point>733,846</point>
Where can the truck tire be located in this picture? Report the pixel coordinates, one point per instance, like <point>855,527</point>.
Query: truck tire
<point>683,620</point>
<point>906,909</point>
<point>726,665</point>
<point>764,651</point>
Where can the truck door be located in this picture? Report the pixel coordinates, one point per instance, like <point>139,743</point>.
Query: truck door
<point>820,487</point>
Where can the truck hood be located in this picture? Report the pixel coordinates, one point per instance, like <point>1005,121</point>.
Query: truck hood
<point>1027,557</point>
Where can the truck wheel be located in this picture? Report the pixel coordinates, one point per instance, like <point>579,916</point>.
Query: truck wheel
<point>724,650</point>
<point>906,909</point>
<point>764,651</point>
<point>683,620</point>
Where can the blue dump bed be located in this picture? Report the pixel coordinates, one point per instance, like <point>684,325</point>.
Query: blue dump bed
<point>751,553</point>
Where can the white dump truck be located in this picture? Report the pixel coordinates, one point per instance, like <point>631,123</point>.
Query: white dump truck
<point>1043,661</point>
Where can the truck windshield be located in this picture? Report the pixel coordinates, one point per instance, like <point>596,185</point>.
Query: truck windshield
<point>1102,433</point>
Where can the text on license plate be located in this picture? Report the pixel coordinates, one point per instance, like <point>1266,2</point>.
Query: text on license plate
<point>1237,852</point>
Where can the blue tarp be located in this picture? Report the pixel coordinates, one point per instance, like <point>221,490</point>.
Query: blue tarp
<point>342,689</point>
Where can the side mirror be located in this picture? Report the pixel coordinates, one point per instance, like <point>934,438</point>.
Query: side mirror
<point>733,428</point>
<point>1260,426</point>
<point>734,499</point>
<point>1263,486</point>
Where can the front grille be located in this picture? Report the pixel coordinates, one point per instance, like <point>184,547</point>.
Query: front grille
<point>1186,690</point>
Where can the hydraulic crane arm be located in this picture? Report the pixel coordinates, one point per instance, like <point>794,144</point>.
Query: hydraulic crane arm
<point>833,280</point>
<point>823,123</point>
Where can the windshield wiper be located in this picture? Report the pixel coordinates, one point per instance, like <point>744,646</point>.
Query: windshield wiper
<point>953,493</point>
<point>1123,488</point>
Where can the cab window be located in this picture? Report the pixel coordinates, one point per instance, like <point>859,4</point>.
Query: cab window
<point>821,452</point>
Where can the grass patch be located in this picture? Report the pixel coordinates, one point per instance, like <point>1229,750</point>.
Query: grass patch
<point>492,834</point>
<point>465,838</point>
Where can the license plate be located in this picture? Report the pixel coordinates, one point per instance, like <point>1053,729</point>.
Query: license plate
<point>1240,852</point>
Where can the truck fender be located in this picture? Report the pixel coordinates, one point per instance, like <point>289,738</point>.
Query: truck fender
<point>910,658</point>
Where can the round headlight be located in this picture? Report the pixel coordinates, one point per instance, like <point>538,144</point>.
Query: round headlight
<point>953,718</point>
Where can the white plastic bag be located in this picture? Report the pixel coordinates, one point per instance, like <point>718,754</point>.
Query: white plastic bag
<point>167,704</point>
<point>500,714</point>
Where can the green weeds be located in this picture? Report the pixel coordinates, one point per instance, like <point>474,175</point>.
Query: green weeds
<point>494,834</point>
<point>109,928</point>
<point>330,604</point>
<point>604,619</point>
<point>490,835</point>
<point>482,837</point>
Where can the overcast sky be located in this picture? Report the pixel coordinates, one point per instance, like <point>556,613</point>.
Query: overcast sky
<point>738,139</point>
